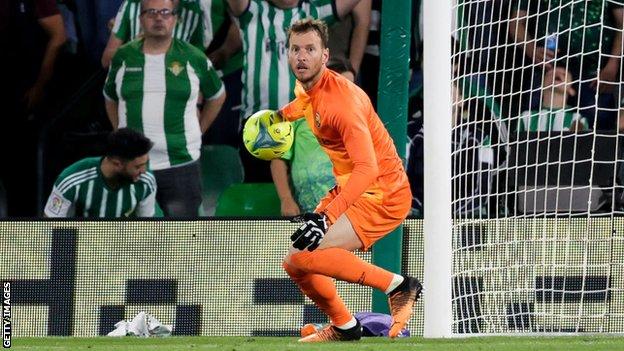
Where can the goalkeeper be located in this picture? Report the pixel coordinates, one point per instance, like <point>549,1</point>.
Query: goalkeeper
<point>372,196</point>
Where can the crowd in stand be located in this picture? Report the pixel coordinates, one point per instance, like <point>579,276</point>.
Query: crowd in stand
<point>187,73</point>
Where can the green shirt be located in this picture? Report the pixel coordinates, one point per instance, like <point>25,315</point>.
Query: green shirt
<point>267,80</point>
<point>578,26</point>
<point>157,95</point>
<point>310,167</point>
<point>81,191</point>
<point>549,120</point>
<point>198,21</point>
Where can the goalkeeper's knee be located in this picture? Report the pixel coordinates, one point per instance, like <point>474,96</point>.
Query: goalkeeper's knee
<point>298,261</point>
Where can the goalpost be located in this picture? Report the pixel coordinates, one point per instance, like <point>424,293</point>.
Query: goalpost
<point>524,231</point>
<point>437,153</point>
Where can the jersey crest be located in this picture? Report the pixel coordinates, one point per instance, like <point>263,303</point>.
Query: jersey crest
<point>176,68</point>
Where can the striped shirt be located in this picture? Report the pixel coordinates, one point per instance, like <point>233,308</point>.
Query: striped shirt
<point>157,95</point>
<point>81,191</point>
<point>374,30</point>
<point>198,21</point>
<point>267,80</point>
<point>550,120</point>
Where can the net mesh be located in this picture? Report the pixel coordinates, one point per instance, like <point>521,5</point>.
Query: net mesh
<point>536,155</point>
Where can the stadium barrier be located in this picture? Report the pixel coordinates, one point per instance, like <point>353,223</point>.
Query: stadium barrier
<point>206,277</point>
<point>224,277</point>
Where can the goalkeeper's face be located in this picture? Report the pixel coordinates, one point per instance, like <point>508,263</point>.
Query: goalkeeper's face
<point>130,171</point>
<point>307,56</point>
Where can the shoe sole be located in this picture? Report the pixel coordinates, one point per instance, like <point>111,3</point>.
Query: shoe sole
<point>314,338</point>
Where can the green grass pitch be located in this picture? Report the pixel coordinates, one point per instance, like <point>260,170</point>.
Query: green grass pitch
<point>269,344</point>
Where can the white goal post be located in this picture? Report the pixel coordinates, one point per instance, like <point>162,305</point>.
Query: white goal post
<point>437,155</point>
<point>523,167</point>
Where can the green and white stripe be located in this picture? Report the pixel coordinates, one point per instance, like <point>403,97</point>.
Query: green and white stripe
<point>267,80</point>
<point>127,25</point>
<point>81,191</point>
<point>198,21</point>
<point>157,95</point>
<point>549,120</point>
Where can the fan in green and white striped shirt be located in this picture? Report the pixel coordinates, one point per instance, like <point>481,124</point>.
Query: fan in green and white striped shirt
<point>82,191</point>
<point>554,120</point>
<point>554,115</point>
<point>197,24</point>
<point>267,80</point>
<point>116,185</point>
<point>198,20</point>
<point>157,94</point>
<point>153,86</point>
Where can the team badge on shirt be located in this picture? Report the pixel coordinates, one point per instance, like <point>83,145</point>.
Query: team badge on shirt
<point>176,68</point>
<point>317,120</point>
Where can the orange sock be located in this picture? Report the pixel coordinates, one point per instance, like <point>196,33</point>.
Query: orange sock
<point>322,290</point>
<point>342,264</point>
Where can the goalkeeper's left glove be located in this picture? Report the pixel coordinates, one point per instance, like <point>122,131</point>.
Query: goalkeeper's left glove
<point>311,232</point>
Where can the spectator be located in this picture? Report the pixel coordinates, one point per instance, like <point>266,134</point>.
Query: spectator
<point>370,68</point>
<point>31,37</point>
<point>38,35</point>
<point>199,21</point>
<point>153,85</point>
<point>347,39</point>
<point>369,79</point>
<point>115,185</point>
<point>555,114</point>
<point>476,152</point>
<point>267,81</point>
<point>92,18</point>
<point>206,25</point>
<point>577,32</point>
<point>305,166</point>
<point>227,57</point>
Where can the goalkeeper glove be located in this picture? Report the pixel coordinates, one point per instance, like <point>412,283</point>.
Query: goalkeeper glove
<point>311,232</point>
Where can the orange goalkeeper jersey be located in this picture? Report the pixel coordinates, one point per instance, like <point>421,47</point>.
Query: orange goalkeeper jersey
<point>365,161</point>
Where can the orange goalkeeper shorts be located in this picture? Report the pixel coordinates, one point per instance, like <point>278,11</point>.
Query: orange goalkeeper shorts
<point>373,218</point>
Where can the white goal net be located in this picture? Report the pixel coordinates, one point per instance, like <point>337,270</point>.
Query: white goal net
<point>537,196</point>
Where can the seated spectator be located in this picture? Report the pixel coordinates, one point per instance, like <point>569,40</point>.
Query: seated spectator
<point>554,114</point>
<point>586,35</point>
<point>476,152</point>
<point>115,185</point>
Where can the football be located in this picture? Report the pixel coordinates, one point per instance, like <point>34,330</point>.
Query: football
<point>266,135</point>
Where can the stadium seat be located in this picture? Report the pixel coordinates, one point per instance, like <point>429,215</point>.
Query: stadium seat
<point>220,167</point>
<point>249,200</point>
<point>158,212</point>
